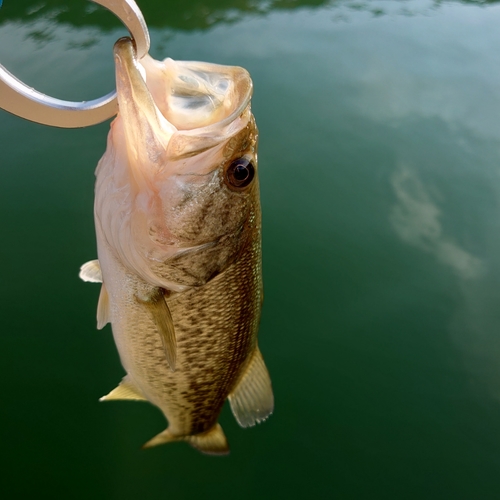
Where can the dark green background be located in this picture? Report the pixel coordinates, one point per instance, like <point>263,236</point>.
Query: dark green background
<point>380,172</point>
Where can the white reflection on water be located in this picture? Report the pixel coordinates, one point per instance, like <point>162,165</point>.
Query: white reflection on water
<point>473,324</point>
<point>415,218</point>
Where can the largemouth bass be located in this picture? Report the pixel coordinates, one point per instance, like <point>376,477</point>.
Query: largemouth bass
<point>178,228</point>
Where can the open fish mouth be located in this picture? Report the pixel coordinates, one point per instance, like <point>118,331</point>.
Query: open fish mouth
<point>181,107</point>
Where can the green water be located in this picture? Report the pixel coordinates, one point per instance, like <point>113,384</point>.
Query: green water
<point>380,171</point>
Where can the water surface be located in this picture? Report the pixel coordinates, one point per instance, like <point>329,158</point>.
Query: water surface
<point>379,164</point>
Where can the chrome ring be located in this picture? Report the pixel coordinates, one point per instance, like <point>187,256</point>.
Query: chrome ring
<point>26,102</point>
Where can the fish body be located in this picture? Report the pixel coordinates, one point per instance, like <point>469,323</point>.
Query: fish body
<point>178,228</point>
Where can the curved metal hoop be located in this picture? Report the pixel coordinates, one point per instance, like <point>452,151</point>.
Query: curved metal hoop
<point>26,102</point>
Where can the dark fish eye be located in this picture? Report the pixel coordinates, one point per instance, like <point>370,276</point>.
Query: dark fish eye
<point>240,173</point>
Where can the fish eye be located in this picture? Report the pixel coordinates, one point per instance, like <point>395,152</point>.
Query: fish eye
<point>240,173</point>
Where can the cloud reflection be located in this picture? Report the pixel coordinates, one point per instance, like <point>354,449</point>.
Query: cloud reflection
<point>416,220</point>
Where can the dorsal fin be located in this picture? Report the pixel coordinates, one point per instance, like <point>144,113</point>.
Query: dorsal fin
<point>91,272</point>
<point>125,390</point>
<point>158,307</point>
<point>252,399</point>
<point>103,311</point>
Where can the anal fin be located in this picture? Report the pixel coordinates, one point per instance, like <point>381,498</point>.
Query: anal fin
<point>211,442</point>
<point>125,390</point>
<point>158,307</point>
<point>252,399</point>
<point>91,272</point>
<point>103,314</point>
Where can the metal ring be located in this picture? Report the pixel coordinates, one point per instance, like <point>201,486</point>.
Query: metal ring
<point>26,102</point>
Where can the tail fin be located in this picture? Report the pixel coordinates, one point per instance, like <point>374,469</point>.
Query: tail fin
<point>211,442</point>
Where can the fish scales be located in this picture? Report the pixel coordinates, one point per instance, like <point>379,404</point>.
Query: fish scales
<point>210,337</point>
<point>178,228</point>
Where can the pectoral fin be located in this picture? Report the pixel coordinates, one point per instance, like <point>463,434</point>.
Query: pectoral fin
<point>125,390</point>
<point>91,272</point>
<point>252,399</point>
<point>211,442</point>
<point>103,314</point>
<point>165,324</point>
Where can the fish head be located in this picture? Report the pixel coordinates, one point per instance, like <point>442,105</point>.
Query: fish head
<point>179,176</point>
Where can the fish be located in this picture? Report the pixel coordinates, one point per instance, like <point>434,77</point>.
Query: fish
<point>178,230</point>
